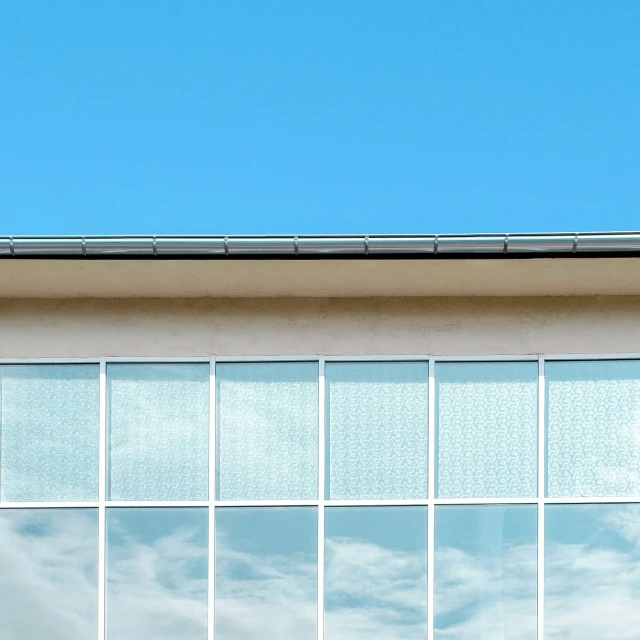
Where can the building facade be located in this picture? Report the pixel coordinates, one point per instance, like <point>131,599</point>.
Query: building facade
<point>299,438</point>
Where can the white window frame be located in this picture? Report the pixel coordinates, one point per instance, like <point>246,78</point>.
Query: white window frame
<point>320,503</point>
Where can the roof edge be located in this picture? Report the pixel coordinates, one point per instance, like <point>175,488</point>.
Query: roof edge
<point>520,245</point>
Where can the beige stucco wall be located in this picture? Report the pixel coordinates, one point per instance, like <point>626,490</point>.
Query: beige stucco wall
<point>286,326</point>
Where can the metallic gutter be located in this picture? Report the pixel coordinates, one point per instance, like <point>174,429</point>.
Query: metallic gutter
<point>517,245</point>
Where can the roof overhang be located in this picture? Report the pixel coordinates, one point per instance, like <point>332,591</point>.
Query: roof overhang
<point>366,277</point>
<point>562,264</point>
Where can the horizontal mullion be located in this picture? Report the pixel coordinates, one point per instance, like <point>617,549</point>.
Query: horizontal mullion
<point>593,500</point>
<point>377,503</point>
<point>49,505</point>
<point>480,501</point>
<point>258,359</point>
<point>157,359</point>
<point>157,503</point>
<point>378,358</point>
<point>577,357</point>
<point>267,503</point>
<point>489,358</point>
<point>315,503</point>
<point>49,361</point>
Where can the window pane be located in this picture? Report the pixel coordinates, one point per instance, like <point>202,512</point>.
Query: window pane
<point>485,572</point>
<point>156,571</point>
<point>48,574</point>
<point>377,430</point>
<point>592,428</point>
<point>158,431</point>
<point>267,431</point>
<point>592,571</point>
<point>50,432</point>
<point>487,429</point>
<point>376,573</point>
<point>266,573</point>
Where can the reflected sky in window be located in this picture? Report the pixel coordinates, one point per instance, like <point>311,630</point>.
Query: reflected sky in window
<point>267,447</point>
<point>158,437</point>
<point>266,573</point>
<point>485,572</point>
<point>592,572</point>
<point>48,574</point>
<point>375,573</point>
<point>157,561</point>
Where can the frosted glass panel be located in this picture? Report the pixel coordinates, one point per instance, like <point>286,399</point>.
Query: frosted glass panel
<point>266,573</point>
<point>375,573</point>
<point>487,429</point>
<point>49,574</point>
<point>158,431</point>
<point>50,432</point>
<point>156,570</point>
<point>377,430</point>
<point>593,428</point>
<point>592,572</point>
<point>267,431</point>
<point>485,578</point>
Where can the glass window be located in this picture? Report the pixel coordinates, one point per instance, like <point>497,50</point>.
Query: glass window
<point>48,574</point>
<point>485,581</point>
<point>375,573</point>
<point>266,573</point>
<point>158,431</point>
<point>156,570</point>
<point>592,571</point>
<point>267,431</point>
<point>487,429</point>
<point>593,439</point>
<point>377,430</point>
<point>50,425</point>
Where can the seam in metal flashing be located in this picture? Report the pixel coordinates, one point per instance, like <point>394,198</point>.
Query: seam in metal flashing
<point>442,247</point>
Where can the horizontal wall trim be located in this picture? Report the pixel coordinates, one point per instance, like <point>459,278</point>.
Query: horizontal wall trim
<point>576,357</point>
<point>531,245</point>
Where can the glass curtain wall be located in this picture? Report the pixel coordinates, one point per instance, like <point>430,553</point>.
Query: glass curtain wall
<point>280,500</point>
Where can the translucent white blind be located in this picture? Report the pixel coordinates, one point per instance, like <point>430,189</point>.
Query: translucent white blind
<point>487,429</point>
<point>377,430</point>
<point>158,431</point>
<point>50,432</point>
<point>593,428</point>
<point>267,431</point>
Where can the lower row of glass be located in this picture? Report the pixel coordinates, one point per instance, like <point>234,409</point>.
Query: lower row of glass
<point>375,572</point>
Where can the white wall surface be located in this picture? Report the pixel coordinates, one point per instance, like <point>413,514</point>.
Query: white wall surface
<point>305,326</point>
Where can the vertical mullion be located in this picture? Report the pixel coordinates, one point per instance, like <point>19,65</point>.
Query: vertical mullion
<point>212,495</point>
<point>102,496</point>
<point>541,493</point>
<point>321,495</point>
<point>431,503</point>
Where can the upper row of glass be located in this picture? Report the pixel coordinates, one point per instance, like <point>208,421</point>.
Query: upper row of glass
<point>267,430</point>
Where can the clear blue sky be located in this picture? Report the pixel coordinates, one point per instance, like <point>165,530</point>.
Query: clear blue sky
<point>319,117</point>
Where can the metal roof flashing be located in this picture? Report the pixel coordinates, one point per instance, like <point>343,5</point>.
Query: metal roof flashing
<point>517,245</point>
